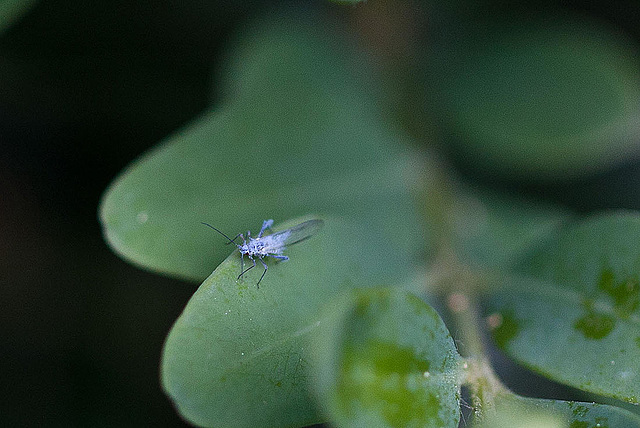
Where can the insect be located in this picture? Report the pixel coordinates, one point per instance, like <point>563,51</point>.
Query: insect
<point>270,245</point>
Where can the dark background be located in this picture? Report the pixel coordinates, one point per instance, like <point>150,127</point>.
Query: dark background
<point>85,87</point>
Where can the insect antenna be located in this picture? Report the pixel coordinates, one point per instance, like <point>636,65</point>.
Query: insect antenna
<point>229,239</point>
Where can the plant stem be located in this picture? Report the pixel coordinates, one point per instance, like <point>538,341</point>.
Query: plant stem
<point>459,288</point>
<point>460,284</point>
<point>481,380</point>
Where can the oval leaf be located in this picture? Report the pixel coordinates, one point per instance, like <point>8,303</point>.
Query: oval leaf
<point>487,229</point>
<point>586,291</point>
<point>496,230</point>
<point>513,411</point>
<point>386,359</point>
<point>237,356</point>
<point>541,100</point>
<point>300,136</point>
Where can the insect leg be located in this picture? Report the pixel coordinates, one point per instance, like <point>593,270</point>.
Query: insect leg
<point>232,241</point>
<point>281,258</point>
<point>265,225</point>
<point>249,268</point>
<point>263,273</point>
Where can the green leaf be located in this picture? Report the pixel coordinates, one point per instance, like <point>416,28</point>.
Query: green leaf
<point>577,318</point>
<point>12,10</point>
<point>540,100</point>
<point>385,358</point>
<point>484,228</point>
<point>496,230</point>
<point>513,411</point>
<point>299,134</point>
<point>237,356</point>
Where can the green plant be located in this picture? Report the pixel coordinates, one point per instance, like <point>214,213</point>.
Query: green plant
<point>343,332</point>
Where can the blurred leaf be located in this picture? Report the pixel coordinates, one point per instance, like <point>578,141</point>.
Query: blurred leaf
<point>12,10</point>
<point>485,228</point>
<point>512,411</point>
<point>577,320</point>
<point>238,355</point>
<point>541,98</point>
<point>496,230</point>
<point>300,135</point>
<point>385,358</point>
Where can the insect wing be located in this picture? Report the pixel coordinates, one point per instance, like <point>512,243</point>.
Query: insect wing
<point>296,234</point>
